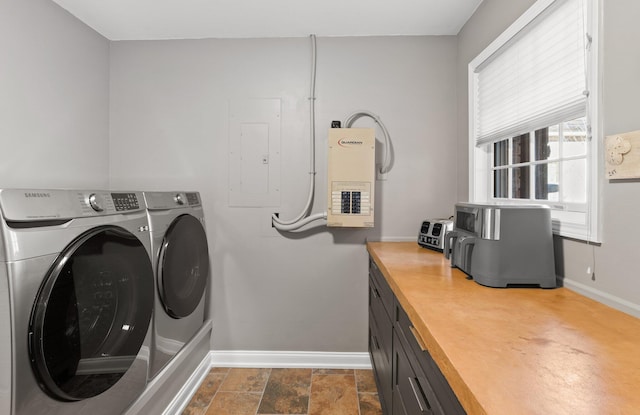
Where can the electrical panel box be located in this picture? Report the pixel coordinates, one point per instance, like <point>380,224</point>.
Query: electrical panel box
<point>254,152</point>
<point>351,177</point>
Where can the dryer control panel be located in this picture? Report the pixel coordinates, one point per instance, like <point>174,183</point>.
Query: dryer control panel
<point>193,199</point>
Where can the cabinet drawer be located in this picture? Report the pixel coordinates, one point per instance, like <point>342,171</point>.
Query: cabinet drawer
<point>384,331</point>
<point>378,310</point>
<point>421,361</point>
<point>381,288</point>
<point>412,393</point>
<point>381,360</point>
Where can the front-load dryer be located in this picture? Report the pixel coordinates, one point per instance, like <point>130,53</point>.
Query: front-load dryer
<point>181,265</point>
<point>76,301</point>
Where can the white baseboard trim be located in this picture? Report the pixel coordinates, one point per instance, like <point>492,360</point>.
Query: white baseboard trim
<point>182,398</point>
<point>603,297</point>
<point>273,359</point>
<point>170,390</point>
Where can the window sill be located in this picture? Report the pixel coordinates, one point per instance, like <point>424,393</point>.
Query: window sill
<point>576,231</point>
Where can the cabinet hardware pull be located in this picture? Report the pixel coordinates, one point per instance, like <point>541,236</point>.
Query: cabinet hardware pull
<point>418,338</point>
<point>423,403</point>
<point>375,342</point>
<point>376,293</point>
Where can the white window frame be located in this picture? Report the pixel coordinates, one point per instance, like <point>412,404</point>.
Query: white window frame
<point>578,225</point>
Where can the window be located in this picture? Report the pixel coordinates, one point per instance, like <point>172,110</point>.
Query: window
<point>533,113</point>
<point>532,165</point>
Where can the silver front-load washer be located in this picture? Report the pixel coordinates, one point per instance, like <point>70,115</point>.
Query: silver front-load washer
<point>181,265</point>
<point>76,301</point>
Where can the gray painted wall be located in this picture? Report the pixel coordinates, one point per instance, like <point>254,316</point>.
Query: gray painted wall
<point>54,98</point>
<point>169,130</point>
<point>168,107</point>
<point>616,261</point>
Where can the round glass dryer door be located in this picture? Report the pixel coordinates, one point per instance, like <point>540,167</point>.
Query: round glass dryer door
<point>92,314</point>
<point>183,266</point>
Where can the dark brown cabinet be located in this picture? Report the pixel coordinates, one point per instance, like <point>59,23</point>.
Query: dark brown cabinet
<point>431,391</point>
<point>408,379</point>
<point>412,393</point>
<point>381,303</point>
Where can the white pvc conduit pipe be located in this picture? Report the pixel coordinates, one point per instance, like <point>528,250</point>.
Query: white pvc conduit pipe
<point>301,223</point>
<point>303,218</point>
<point>386,163</point>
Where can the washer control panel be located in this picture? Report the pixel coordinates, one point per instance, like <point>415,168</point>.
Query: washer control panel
<point>109,203</point>
<point>27,205</point>
<point>96,201</point>
<point>125,201</point>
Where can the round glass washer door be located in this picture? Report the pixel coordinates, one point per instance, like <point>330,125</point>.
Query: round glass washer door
<point>92,314</point>
<point>183,266</point>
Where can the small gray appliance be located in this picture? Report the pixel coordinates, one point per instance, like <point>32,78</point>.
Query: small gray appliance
<point>76,299</point>
<point>503,245</point>
<point>181,266</point>
<point>432,232</point>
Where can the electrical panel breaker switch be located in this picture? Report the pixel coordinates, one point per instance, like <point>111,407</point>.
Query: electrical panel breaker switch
<point>351,175</point>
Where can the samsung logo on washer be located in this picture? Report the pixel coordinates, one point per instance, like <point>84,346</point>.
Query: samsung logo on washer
<point>346,142</point>
<point>37,194</point>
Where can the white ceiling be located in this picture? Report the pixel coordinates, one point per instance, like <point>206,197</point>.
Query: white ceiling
<point>194,19</point>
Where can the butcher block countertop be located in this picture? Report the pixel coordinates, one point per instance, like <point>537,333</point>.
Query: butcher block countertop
<point>516,350</point>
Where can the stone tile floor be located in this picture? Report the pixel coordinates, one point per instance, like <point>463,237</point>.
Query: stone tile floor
<point>240,391</point>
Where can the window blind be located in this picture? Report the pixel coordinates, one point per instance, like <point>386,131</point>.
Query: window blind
<point>536,79</point>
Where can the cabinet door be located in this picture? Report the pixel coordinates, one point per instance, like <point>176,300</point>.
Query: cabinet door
<point>411,391</point>
<point>381,289</point>
<point>380,342</point>
<point>381,363</point>
<point>379,313</point>
<point>423,363</point>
